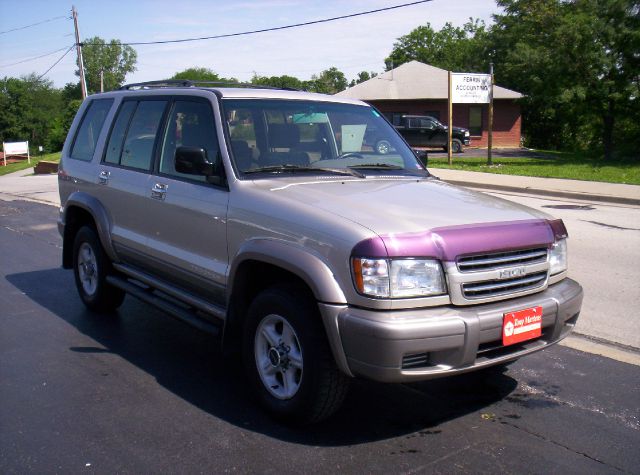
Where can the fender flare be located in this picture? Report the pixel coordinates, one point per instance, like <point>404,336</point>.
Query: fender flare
<point>313,271</point>
<point>307,266</point>
<point>100,217</point>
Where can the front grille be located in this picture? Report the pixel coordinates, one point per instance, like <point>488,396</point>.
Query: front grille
<point>492,288</point>
<point>483,262</point>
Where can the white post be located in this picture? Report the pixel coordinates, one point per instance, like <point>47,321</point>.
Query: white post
<point>28,156</point>
<point>4,154</point>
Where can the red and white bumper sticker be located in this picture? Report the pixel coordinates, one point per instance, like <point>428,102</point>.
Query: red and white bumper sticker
<point>522,325</point>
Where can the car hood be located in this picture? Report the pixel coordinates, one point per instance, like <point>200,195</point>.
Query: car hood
<point>400,205</point>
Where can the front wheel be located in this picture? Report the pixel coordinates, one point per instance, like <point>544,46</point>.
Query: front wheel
<point>91,267</point>
<point>287,357</point>
<point>456,146</point>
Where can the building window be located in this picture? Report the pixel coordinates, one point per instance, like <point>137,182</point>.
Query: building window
<point>475,120</point>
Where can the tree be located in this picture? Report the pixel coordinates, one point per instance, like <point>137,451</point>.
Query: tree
<point>362,77</point>
<point>114,59</point>
<point>578,66</point>
<point>60,125</point>
<point>330,81</point>
<point>28,108</point>
<point>451,48</point>
<point>201,74</point>
<point>283,82</point>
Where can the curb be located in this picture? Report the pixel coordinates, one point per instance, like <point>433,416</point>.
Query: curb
<point>556,193</point>
<point>602,347</point>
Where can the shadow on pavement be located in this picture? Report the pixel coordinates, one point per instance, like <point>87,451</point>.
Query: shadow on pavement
<point>188,363</point>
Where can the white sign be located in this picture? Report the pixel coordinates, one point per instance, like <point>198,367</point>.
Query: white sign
<point>15,148</point>
<point>469,88</point>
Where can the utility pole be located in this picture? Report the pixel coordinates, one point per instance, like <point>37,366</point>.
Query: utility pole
<point>83,83</point>
<point>490,137</point>
<point>101,79</point>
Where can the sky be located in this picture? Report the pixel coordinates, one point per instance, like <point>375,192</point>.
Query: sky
<point>352,45</point>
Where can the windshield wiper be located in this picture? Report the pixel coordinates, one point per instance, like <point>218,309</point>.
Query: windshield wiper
<point>297,168</point>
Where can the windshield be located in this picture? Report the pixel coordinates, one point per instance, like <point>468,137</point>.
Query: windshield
<point>284,136</point>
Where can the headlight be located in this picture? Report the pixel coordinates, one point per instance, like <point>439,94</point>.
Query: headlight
<point>466,133</point>
<point>558,257</point>
<point>398,278</point>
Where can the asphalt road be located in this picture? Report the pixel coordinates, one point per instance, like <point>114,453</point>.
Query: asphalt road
<point>141,393</point>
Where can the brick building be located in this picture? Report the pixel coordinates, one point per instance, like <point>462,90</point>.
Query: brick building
<point>418,88</point>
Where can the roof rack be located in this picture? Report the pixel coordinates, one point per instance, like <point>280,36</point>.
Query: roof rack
<point>196,83</point>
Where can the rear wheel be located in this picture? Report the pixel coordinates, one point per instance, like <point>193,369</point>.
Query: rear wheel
<point>287,357</point>
<point>91,267</point>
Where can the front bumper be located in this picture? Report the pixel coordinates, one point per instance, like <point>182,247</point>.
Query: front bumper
<point>419,344</point>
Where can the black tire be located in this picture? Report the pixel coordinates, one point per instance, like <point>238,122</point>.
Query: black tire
<point>91,273</point>
<point>456,146</point>
<point>383,147</point>
<point>320,386</point>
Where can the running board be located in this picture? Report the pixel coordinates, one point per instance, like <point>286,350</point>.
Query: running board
<point>171,308</point>
<point>187,298</point>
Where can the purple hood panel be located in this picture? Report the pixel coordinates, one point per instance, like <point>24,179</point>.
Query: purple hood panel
<point>447,243</point>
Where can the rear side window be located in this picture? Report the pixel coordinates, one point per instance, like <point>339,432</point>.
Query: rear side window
<point>87,136</point>
<point>134,133</point>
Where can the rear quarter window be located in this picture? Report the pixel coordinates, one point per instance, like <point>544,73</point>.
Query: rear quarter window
<point>84,143</point>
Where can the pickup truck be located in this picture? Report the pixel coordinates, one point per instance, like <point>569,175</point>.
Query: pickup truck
<point>427,131</point>
<point>269,220</point>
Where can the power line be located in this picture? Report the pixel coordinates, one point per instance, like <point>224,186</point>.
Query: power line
<point>33,24</point>
<point>59,59</point>
<point>264,30</point>
<point>34,58</point>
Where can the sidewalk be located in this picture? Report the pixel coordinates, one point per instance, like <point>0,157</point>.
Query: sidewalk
<point>574,189</point>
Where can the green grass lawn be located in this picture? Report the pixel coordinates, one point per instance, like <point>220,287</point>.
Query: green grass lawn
<point>21,165</point>
<point>548,164</point>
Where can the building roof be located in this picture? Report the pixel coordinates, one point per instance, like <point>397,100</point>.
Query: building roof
<point>412,80</point>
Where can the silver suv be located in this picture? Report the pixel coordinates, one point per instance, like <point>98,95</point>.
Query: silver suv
<point>265,217</point>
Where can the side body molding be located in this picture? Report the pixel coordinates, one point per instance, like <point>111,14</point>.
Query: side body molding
<point>100,216</point>
<point>309,267</point>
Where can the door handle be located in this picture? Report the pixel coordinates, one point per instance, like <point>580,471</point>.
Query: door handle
<point>103,177</point>
<point>159,191</point>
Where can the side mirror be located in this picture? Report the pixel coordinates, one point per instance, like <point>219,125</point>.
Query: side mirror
<point>193,161</point>
<point>422,156</point>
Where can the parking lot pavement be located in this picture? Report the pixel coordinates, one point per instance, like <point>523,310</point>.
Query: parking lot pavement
<point>24,185</point>
<point>139,392</point>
